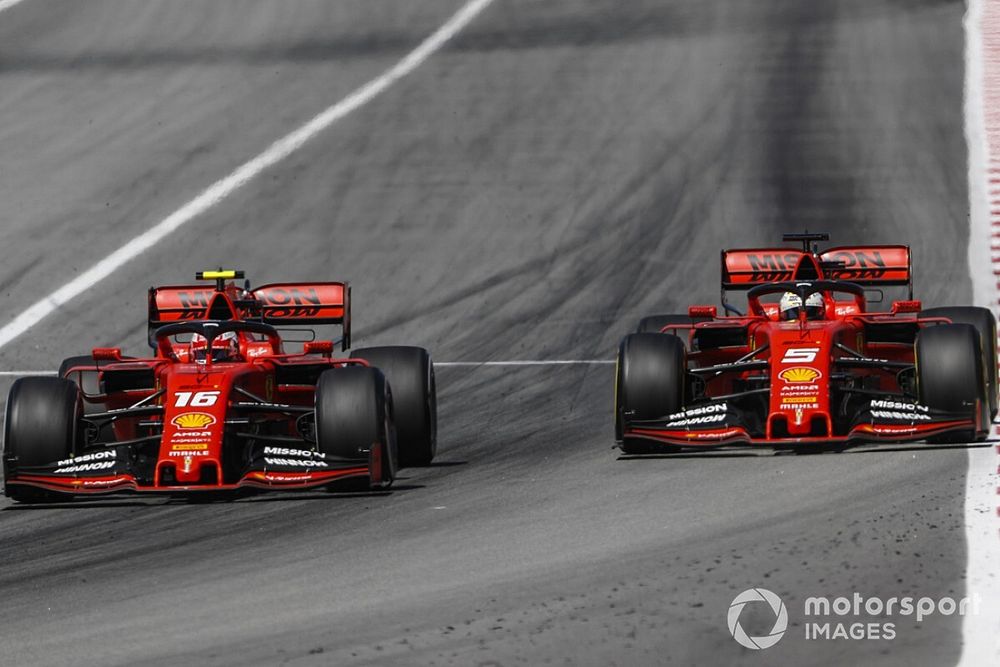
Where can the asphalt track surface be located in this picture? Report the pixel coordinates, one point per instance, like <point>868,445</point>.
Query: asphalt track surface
<point>560,169</point>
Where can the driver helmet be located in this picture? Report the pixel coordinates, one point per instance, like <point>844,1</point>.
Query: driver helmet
<point>791,304</point>
<point>225,347</point>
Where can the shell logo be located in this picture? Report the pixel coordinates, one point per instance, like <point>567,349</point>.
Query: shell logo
<point>193,420</point>
<point>800,374</point>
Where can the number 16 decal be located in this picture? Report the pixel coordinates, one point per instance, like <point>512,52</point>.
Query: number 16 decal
<point>197,399</point>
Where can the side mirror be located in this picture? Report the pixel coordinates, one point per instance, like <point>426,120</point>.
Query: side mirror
<point>906,307</point>
<point>107,354</point>
<point>324,347</point>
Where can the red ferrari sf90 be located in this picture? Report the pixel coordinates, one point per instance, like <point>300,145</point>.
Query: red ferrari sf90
<point>808,362</point>
<point>221,405</point>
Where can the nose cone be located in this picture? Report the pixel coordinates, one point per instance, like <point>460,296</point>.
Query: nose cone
<point>800,367</point>
<point>193,426</point>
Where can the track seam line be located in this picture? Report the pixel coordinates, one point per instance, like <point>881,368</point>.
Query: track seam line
<point>23,373</point>
<point>529,362</point>
<point>221,189</point>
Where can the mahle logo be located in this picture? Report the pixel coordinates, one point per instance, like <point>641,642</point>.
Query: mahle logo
<point>780,618</point>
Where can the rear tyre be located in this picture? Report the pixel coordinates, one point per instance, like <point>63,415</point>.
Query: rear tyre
<point>354,414</point>
<point>42,427</point>
<point>649,383</point>
<point>986,325</point>
<point>414,398</point>
<point>951,374</point>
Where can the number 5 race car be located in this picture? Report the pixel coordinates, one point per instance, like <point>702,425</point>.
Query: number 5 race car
<point>220,406</point>
<point>808,363</point>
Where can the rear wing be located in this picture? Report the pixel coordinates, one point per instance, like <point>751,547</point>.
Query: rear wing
<point>868,265</point>
<point>278,304</point>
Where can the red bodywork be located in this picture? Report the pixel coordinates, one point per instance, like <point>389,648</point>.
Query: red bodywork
<point>173,425</point>
<point>834,380</point>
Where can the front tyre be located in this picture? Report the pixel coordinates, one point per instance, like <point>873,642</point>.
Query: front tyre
<point>42,427</point>
<point>354,414</point>
<point>951,374</point>
<point>649,383</point>
<point>986,324</point>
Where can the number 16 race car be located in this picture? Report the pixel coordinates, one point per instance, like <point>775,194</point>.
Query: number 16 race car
<point>221,406</point>
<point>808,363</point>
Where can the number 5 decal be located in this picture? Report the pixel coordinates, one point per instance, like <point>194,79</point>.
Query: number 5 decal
<point>798,355</point>
<point>198,399</point>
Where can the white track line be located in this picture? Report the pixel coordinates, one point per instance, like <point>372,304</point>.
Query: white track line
<point>7,4</point>
<point>15,374</point>
<point>524,362</point>
<point>221,189</point>
<point>981,632</point>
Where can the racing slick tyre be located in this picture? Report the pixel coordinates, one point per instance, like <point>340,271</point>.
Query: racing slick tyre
<point>649,383</point>
<point>986,325</point>
<point>951,374</point>
<point>42,427</point>
<point>414,399</point>
<point>353,414</point>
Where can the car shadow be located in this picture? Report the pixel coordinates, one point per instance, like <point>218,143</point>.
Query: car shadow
<point>689,454</point>
<point>88,503</point>
<point>113,502</point>
<point>447,464</point>
<point>330,495</point>
<point>910,447</point>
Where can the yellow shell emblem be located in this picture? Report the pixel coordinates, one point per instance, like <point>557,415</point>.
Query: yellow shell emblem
<point>193,420</point>
<point>799,374</point>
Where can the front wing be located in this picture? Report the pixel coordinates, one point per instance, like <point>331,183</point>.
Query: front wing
<point>883,420</point>
<point>113,471</point>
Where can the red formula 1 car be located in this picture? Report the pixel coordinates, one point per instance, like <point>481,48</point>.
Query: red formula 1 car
<point>808,363</point>
<point>221,406</point>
